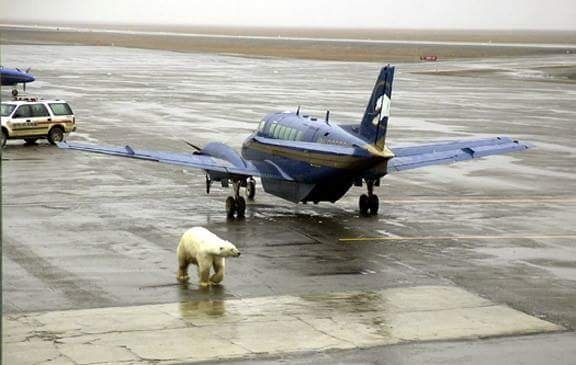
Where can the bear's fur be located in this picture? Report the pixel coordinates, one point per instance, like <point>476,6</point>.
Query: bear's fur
<point>203,248</point>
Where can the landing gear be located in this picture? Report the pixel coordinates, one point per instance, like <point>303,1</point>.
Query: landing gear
<point>236,205</point>
<point>208,183</point>
<point>251,189</point>
<point>369,203</point>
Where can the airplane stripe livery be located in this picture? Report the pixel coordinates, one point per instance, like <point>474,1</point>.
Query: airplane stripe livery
<point>305,159</point>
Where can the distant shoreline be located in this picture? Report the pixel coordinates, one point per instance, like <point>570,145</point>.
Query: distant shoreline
<point>321,44</point>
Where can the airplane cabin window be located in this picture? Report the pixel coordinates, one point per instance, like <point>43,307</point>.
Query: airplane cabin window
<point>273,129</point>
<point>283,132</point>
<point>299,136</point>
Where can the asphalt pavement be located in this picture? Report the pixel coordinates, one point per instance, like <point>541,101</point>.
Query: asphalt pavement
<point>472,262</point>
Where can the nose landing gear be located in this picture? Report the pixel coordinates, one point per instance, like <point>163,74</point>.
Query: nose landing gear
<point>369,203</point>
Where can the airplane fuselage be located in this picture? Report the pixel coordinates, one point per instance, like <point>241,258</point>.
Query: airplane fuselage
<point>11,76</point>
<point>290,142</point>
<point>301,158</point>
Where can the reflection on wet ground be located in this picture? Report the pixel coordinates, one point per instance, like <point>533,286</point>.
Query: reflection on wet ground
<point>83,232</point>
<point>212,329</point>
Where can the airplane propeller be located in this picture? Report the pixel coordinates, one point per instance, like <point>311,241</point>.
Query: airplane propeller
<point>198,149</point>
<point>24,84</point>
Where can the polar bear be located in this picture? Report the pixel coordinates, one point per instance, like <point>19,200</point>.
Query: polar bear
<point>203,248</point>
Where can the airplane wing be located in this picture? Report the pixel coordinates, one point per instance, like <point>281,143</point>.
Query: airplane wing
<point>199,161</point>
<point>412,157</point>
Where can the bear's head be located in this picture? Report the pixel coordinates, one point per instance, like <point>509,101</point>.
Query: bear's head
<point>227,249</point>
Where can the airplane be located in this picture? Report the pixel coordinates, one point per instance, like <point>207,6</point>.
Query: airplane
<point>15,76</point>
<point>301,158</point>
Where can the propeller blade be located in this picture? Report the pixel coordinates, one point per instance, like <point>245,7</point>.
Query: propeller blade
<point>193,146</point>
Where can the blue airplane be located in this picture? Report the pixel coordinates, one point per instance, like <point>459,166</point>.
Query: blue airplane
<point>305,159</point>
<point>15,76</point>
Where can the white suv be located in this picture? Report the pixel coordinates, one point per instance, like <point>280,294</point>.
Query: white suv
<point>30,119</point>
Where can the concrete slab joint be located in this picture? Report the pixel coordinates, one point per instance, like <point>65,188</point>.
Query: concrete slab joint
<point>240,328</point>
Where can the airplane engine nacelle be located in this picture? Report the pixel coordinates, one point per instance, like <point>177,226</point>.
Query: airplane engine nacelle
<point>220,150</point>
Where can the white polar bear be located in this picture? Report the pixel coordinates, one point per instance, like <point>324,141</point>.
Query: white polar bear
<point>203,248</point>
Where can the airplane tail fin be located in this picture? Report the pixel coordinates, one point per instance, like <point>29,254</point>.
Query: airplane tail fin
<point>375,120</point>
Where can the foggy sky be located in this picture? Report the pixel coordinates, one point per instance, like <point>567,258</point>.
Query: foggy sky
<point>450,14</point>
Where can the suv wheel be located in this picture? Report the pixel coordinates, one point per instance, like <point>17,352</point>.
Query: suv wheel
<point>3,139</point>
<point>55,135</point>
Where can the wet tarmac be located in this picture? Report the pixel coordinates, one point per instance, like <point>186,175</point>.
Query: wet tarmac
<point>83,231</point>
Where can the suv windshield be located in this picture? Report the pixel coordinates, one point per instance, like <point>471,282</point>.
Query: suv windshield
<point>60,109</point>
<point>6,109</point>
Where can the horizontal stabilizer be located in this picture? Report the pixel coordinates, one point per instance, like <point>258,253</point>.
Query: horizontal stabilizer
<point>448,152</point>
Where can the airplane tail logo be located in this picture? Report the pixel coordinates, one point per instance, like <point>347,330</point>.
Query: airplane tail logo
<point>375,120</point>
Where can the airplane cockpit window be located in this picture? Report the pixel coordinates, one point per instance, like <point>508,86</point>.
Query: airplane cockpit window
<point>261,126</point>
<point>284,132</point>
<point>272,129</point>
<point>277,131</point>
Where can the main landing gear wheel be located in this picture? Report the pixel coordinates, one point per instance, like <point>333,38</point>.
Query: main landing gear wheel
<point>251,189</point>
<point>240,207</point>
<point>236,205</point>
<point>373,204</point>
<point>230,207</point>
<point>363,204</point>
<point>369,203</point>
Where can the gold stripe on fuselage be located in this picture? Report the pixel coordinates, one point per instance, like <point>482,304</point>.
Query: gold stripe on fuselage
<point>323,159</point>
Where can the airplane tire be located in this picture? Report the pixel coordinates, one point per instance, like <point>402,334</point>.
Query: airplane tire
<point>363,204</point>
<point>251,190</point>
<point>55,135</point>
<point>230,207</point>
<point>240,207</point>
<point>373,204</point>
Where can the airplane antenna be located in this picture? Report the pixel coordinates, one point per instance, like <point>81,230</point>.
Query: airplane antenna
<point>327,116</point>
<point>298,110</point>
